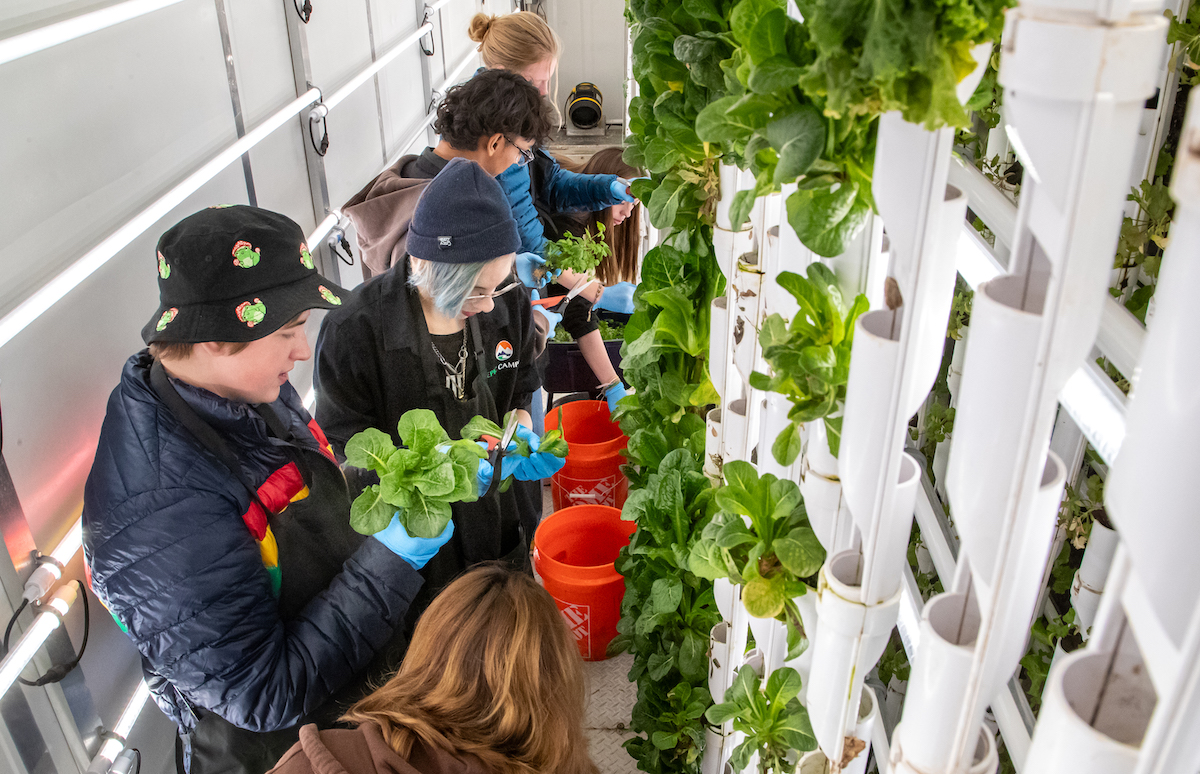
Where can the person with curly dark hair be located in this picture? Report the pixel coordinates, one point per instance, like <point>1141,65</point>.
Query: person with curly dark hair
<point>494,119</point>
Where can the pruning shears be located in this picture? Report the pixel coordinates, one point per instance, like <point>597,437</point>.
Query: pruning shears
<point>496,453</point>
<point>558,304</point>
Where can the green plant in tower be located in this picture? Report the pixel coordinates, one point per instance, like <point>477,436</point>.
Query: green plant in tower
<point>420,481</point>
<point>960,312</point>
<point>667,613</point>
<point>771,556</point>
<point>580,254</point>
<point>1046,634</point>
<point>1187,33</point>
<point>772,718</point>
<point>1079,510</point>
<point>809,356</point>
<point>1141,244</point>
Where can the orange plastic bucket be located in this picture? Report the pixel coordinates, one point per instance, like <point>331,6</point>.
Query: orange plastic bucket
<point>573,554</point>
<point>592,473</point>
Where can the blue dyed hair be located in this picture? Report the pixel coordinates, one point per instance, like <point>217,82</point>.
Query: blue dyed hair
<point>448,284</point>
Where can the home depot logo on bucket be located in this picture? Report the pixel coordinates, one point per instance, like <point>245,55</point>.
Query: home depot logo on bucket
<point>503,351</point>
<point>579,619</point>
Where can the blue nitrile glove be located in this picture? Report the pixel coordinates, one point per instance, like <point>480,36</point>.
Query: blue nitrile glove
<point>415,551</point>
<point>552,318</point>
<point>526,264</point>
<point>620,189</point>
<point>617,298</point>
<point>483,475</point>
<point>534,467</point>
<point>614,394</point>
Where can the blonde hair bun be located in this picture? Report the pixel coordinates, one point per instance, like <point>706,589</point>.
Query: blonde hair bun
<point>479,26</point>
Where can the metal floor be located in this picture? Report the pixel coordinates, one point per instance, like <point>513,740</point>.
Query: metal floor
<point>610,699</point>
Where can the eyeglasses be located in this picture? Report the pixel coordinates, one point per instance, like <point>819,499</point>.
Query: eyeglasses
<point>510,286</point>
<point>526,153</point>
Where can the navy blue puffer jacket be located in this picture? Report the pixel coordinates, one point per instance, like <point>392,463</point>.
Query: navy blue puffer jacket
<point>176,565</point>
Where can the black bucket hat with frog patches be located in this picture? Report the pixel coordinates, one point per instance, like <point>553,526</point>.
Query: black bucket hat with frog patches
<point>234,273</point>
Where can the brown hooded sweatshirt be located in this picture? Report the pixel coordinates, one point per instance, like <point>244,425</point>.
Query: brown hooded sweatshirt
<point>364,751</point>
<point>382,211</point>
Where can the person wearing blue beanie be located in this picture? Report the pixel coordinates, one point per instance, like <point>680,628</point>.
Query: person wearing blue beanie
<point>449,329</point>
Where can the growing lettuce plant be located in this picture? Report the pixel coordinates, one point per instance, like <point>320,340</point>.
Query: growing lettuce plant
<point>772,718</point>
<point>809,357</point>
<point>769,552</point>
<point>419,481</point>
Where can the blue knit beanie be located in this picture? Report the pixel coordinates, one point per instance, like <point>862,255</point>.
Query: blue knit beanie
<point>463,216</point>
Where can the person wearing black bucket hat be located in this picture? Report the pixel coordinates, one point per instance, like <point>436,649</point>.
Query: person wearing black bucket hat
<point>216,518</point>
<point>448,329</point>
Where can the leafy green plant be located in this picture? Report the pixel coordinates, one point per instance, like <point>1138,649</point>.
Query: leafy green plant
<point>809,357</point>
<point>420,481</point>
<point>960,312</point>
<point>772,718</point>
<point>1187,33</point>
<point>608,332</point>
<point>894,661</point>
<point>550,443</point>
<point>580,254</point>
<point>667,612</point>
<point>939,423</point>
<point>769,556</point>
<point>1046,634</point>
<point>1079,509</point>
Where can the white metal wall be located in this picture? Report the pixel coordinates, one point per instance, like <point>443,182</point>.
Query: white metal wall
<point>98,128</point>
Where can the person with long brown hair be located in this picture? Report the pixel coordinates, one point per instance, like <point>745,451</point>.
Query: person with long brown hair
<point>525,44</point>
<point>492,683</point>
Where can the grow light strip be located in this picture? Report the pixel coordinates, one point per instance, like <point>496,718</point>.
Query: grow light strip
<point>53,291</point>
<point>52,35</point>
<point>338,96</point>
<point>117,742</point>
<point>35,636</point>
<point>323,228</point>
<point>1098,407</point>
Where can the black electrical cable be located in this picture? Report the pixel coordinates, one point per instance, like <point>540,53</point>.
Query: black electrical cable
<point>323,147</point>
<point>432,42</point>
<point>305,11</point>
<point>12,622</point>
<point>55,673</point>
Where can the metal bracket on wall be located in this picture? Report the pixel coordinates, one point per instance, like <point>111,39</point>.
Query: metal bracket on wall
<point>317,181</point>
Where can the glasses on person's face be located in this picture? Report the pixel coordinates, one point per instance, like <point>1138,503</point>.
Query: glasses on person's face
<point>510,286</point>
<point>526,153</point>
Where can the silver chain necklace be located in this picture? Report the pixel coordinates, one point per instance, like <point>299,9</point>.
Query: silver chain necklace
<point>456,380</point>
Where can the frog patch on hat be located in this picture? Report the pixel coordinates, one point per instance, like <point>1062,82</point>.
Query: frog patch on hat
<point>306,256</point>
<point>164,268</point>
<point>244,255</point>
<point>167,316</point>
<point>251,312</point>
<point>328,295</point>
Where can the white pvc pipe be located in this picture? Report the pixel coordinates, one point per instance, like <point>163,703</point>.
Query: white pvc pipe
<point>718,341</point>
<point>35,636</point>
<point>51,35</point>
<point>369,72</point>
<point>53,291</point>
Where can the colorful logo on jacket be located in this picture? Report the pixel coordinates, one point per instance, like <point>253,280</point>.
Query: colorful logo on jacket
<point>503,351</point>
<point>305,256</point>
<point>166,318</point>
<point>251,312</point>
<point>244,255</point>
<point>164,269</point>
<point>328,295</point>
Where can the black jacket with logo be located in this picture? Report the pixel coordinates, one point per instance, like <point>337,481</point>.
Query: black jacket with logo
<point>375,361</point>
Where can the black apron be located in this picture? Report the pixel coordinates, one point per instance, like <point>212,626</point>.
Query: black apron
<point>490,528</point>
<point>315,539</point>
